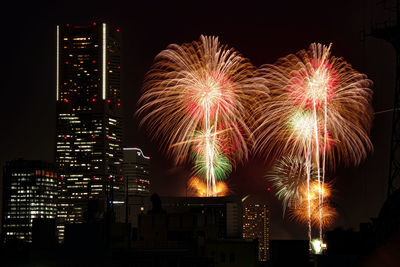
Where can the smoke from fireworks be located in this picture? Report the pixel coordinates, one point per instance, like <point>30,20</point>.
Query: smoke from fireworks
<point>196,101</point>
<point>300,211</point>
<point>199,188</point>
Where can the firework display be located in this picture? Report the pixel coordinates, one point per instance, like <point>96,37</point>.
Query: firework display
<point>207,104</point>
<point>196,101</point>
<point>319,111</point>
<point>318,103</point>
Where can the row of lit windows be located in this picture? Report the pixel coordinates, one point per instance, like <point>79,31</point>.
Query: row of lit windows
<point>17,225</point>
<point>28,216</point>
<point>20,210</point>
<point>38,202</point>
<point>19,233</point>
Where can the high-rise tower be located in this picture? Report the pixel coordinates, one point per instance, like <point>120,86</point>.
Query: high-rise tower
<point>88,129</point>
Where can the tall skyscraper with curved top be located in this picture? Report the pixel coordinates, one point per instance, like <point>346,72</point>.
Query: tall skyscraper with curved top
<point>89,125</point>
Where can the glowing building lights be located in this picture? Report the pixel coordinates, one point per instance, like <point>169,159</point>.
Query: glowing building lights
<point>29,192</point>
<point>256,226</point>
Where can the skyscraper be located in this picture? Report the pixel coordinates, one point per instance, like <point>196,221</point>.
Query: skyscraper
<point>256,226</point>
<point>137,171</point>
<point>89,126</point>
<point>29,192</point>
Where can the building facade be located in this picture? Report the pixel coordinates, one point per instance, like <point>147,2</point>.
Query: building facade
<point>89,125</point>
<point>29,192</point>
<point>256,226</point>
<point>136,171</point>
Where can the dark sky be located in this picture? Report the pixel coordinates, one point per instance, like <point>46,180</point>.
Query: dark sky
<point>261,30</point>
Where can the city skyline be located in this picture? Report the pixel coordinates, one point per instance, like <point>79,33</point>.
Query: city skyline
<point>248,178</point>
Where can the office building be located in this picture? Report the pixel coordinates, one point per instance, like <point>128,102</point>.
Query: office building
<point>89,125</point>
<point>137,171</point>
<point>136,168</point>
<point>29,193</point>
<point>256,226</point>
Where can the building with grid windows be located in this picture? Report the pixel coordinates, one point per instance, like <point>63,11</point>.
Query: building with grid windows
<point>89,126</point>
<point>256,226</point>
<point>137,171</point>
<point>29,193</point>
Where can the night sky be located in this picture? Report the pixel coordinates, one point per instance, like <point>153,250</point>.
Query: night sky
<point>262,31</point>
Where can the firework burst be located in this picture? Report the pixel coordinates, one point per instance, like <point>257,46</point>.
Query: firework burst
<point>320,111</point>
<point>196,100</point>
<point>315,98</point>
<point>288,176</point>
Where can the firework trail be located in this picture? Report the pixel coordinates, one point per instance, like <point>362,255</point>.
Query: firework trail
<point>320,110</point>
<point>196,102</point>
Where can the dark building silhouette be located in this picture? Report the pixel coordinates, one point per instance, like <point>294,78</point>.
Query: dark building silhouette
<point>195,231</point>
<point>44,233</point>
<point>284,253</point>
<point>29,193</point>
<point>89,125</point>
<point>377,243</point>
<point>227,211</point>
<point>384,235</point>
<point>233,252</point>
